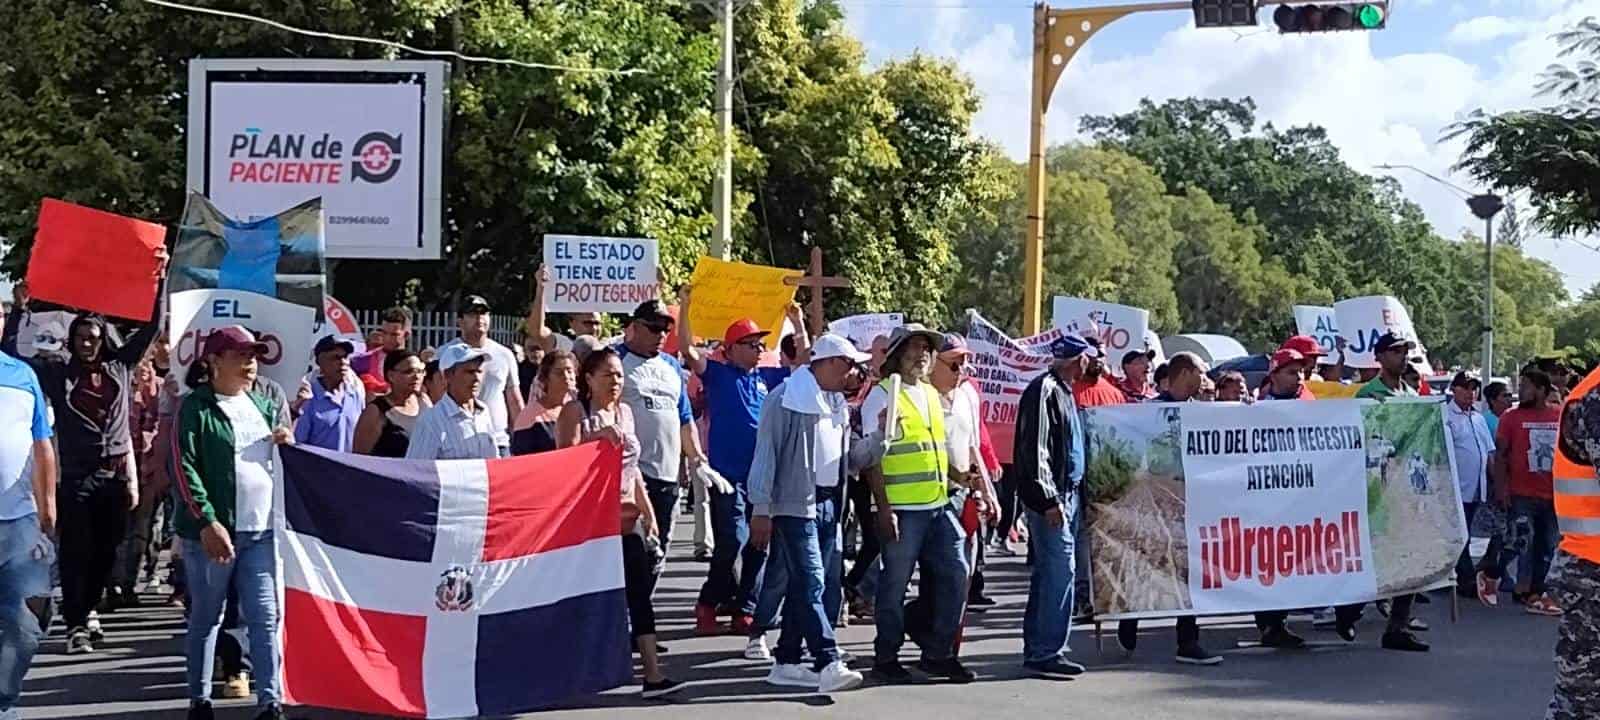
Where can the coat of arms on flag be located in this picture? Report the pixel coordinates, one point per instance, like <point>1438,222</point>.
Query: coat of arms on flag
<point>454,588</point>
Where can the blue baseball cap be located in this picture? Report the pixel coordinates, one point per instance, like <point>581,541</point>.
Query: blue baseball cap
<point>1071,345</point>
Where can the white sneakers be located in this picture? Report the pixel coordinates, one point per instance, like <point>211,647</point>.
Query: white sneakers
<point>756,649</point>
<point>793,676</point>
<point>836,677</point>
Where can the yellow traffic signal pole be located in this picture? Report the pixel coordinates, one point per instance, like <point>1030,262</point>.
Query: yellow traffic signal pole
<point>1058,35</point>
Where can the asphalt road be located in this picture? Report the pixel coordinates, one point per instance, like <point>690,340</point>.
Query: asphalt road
<point>1491,664</point>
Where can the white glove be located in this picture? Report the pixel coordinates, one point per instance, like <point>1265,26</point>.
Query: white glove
<point>42,550</point>
<point>711,479</point>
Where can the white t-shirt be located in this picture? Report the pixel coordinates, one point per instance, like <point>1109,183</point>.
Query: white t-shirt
<point>653,388</point>
<point>252,463</point>
<point>830,447</point>
<point>961,427</point>
<point>499,373</point>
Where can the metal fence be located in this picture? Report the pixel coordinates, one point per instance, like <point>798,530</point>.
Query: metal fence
<point>432,329</point>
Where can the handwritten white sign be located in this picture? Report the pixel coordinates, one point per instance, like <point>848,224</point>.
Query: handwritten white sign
<point>600,274</point>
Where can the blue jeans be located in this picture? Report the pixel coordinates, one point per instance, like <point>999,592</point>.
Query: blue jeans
<point>935,538</point>
<point>664,499</point>
<point>754,561</point>
<point>732,531</point>
<point>253,575</point>
<point>772,582</point>
<point>23,577</point>
<point>804,617</point>
<point>1048,620</point>
<point>1540,514</point>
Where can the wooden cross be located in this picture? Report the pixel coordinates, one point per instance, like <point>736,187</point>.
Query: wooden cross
<point>816,281</point>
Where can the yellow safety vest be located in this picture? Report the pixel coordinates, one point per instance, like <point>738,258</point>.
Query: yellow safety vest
<point>916,467</point>
<point>1577,490</point>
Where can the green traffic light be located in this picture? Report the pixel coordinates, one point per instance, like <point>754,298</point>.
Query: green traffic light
<point>1369,16</point>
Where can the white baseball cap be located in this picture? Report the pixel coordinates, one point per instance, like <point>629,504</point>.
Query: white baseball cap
<point>829,345</point>
<point>457,353</point>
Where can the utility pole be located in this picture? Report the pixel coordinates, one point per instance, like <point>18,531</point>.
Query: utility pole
<point>722,186</point>
<point>1485,206</point>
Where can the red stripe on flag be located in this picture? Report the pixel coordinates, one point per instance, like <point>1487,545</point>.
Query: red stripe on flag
<point>343,657</point>
<point>553,500</point>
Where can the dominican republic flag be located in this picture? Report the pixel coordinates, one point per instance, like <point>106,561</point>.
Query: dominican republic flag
<point>454,588</point>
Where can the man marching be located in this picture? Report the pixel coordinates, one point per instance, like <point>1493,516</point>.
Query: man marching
<point>802,456</point>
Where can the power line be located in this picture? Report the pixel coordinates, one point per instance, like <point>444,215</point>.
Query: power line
<point>392,44</point>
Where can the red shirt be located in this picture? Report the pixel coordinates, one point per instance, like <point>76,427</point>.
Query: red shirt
<point>1527,438</point>
<point>1098,393</point>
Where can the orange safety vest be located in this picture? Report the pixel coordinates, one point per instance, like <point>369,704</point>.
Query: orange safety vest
<point>1577,488</point>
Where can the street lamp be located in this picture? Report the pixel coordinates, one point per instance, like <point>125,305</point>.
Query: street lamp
<point>1484,206</point>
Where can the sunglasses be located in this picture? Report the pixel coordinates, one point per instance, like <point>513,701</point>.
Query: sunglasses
<point>956,366</point>
<point>752,344</point>
<point>655,327</point>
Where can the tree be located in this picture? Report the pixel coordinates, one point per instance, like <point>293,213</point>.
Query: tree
<point>94,111</point>
<point>1336,232</point>
<point>1552,153</point>
<point>878,168</point>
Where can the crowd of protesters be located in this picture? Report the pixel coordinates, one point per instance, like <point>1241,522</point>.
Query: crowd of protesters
<point>802,452</point>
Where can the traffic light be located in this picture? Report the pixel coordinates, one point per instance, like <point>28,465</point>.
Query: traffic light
<point>1224,13</point>
<point>1330,17</point>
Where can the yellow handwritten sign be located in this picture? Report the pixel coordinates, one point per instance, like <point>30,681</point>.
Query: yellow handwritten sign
<point>728,291</point>
<point>1325,390</point>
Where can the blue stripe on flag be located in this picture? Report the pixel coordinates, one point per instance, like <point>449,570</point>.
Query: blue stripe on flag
<point>375,506</point>
<point>541,656</point>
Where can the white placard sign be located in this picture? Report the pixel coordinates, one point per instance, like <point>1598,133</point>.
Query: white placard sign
<point>285,327</point>
<point>1296,473</point>
<point>44,333</point>
<point>365,136</point>
<point>1363,320</point>
<point>600,274</point>
<point>1120,327</point>
<point>862,329</point>
<point>1320,322</point>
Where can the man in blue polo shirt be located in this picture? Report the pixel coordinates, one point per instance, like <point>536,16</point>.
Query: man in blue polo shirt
<point>27,520</point>
<point>734,389</point>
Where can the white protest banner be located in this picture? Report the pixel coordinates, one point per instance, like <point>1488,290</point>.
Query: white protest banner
<point>1363,320</point>
<point>1320,322</point>
<point>339,322</point>
<point>862,329</point>
<point>600,274</point>
<point>1002,368</point>
<point>1120,327</point>
<point>285,327</point>
<point>366,136</point>
<point>1202,508</point>
<point>44,333</point>
<point>1153,341</point>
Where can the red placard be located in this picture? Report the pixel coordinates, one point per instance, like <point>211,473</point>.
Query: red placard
<point>96,261</point>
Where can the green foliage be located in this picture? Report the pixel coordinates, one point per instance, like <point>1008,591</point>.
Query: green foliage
<point>1552,153</point>
<point>1113,463</point>
<point>876,166</point>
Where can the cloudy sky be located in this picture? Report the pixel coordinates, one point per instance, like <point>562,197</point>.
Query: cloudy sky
<point>1384,96</point>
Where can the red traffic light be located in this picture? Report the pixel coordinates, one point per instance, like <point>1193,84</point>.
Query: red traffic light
<point>1330,17</point>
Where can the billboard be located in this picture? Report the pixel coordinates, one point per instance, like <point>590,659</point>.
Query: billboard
<point>365,136</point>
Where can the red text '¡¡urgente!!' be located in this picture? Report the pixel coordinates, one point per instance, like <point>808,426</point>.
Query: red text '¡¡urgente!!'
<point>1229,552</point>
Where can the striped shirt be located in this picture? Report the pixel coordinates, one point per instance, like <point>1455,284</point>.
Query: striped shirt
<point>447,431</point>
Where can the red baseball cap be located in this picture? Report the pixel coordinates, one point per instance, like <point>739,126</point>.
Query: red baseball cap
<point>743,329</point>
<point>1284,356</point>
<point>1307,346</point>
<point>233,337</point>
